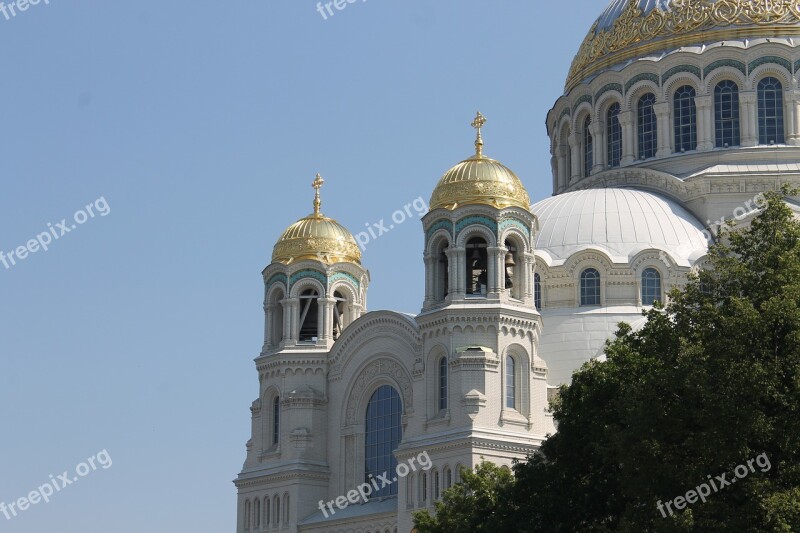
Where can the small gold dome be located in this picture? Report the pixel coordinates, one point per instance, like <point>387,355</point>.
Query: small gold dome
<point>479,180</point>
<point>628,29</point>
<point>316,237</point>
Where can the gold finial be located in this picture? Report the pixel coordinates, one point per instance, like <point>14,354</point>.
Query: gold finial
<point>478,123</point>
<point>317,184</point>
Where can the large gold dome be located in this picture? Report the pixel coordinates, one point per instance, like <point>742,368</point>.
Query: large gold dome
<point>628,29</point>
<point>316,237</point>
<point>479,180</point>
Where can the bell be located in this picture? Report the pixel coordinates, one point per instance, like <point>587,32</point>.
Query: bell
<point>476,255</point>
<point>510,260</point>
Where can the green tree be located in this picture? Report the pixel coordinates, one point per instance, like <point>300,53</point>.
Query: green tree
<point>711,381</point>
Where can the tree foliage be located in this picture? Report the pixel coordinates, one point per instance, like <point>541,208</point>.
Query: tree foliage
<point>711,381</point>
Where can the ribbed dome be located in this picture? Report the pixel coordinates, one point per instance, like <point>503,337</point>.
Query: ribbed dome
<point>621,222</point>
<point>628,29</point>
<point>479,180</point>
<point>319,238</point>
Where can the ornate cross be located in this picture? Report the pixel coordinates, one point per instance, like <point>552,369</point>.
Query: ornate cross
<point>317,184</point>
<point>478,123</point>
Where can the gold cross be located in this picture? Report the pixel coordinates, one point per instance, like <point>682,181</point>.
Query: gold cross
<point>317,184</point>
<point>478,123</point>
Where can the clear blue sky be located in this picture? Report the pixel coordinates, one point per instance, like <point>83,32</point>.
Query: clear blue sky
<point>202,125</point>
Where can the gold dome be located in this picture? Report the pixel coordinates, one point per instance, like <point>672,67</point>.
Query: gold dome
<point>316,237</point>
<point>479,180</point>
<point>628,29</point>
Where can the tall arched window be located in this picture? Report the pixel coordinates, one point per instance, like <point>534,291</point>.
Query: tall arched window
<point>537,291</point>
<point>257,514</point>
<point>648,135</point>
<point>443,383</point>
<point>276,322</point>
<point>247,525</point>
<point>726,114</point>
<point>448,477</point>
<point>383,435</point>
<point>267,508</point>
<point>477,267</point>
<point>511,383</point>
<point>590,287</point>
<point>423,488</point>
<point>436,484</point>
<point>308,316</point>
<point>588,147</point>
<point>286,508</point>
<point>442,277</point>
<point>277,510</point>
<point>770,111</point>
<point>276,420</point>
<point>613,136</point>
<point>685,112</point>
<point>651,286</point>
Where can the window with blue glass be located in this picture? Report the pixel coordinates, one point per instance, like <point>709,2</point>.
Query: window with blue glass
<point>511,382</point>
<point>685,119</point>
<point>770,111</point>
<point>537,291</point>
<point>613,136</point>
<point>588,147</point>
<point>443,383</point>
<point>590,287</point>
<point>651,286</point>
<point>726,114</point>
<point>276,419</point>
<point>383,435</point>
<point>648,136</point>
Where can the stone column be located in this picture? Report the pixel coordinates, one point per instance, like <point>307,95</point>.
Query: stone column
<point>530,263</point>
<point>457,284</point>
<point>748,118</point>
<point>599,140</point>
<point>325,320</point>
<point>290,320</point>
<point>793,117</point>
<point>495,272</point>
<point>269,310</point>
<point>430,278</point>
<point>705,123</point>
<point>574,146</point>
<point>663,128</point>
<point>626,122</point>
<point>561,178</point>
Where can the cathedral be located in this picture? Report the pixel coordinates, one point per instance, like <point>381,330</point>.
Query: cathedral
<point>677,115</point>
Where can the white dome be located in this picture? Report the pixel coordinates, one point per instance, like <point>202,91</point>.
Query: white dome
<point>619,222</point>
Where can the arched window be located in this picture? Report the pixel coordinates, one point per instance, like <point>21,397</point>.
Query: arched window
<point>435,484</point>
<point>308,316</point>
<point>277,510</point>
<point>276,322</point>
<point>267,508</point>
<point>257,517</point>
<point>512,266</point>
<point>685,112</point>
<point>726,114</point>
<point>247,515</point>
<point>648,135</point>
<point>477,267</point>
<point>651,286</point>
<point>276,420</point>
<point>511,382</point>
<point>442,383</point>
<point>341,314</point>
<point>383,435</point>
<point>613,136</point>
<point>770,111</point>
<point>448,477</point>
<point>590,287</point>
<point>537,291</point>
<point>410,490</point>
<point>286,508</point>
<point>588,147</point>
<point>423,489</point>
<point>442,277</point>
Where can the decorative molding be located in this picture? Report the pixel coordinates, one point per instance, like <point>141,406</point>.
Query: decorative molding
<point>508,222</point>
<point>644,76</point>
<point>308,273</point>
<point>608,87</point>
<point>336,276</point>
<point>582,99</point>
<point>738,65</point>
<point>476,219</point>
<point>383,367</point>
<point>277,278</point>
<point>691,69</point>
<point>566,111</point>
<point>442,223</point>
<point>785,63</point>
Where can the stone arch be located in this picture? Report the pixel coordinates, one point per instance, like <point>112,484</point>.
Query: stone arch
<point>721,74</point>
<point>638,90</point>
<point>770,69</point>
<point>383,370</point>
